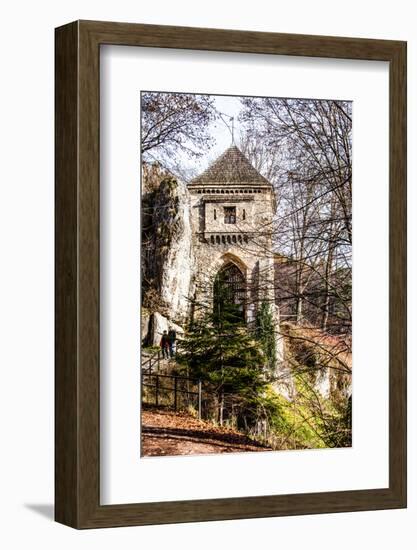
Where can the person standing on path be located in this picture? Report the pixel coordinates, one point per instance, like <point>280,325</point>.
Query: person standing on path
<point>172,337</point>
<point>164,343</point>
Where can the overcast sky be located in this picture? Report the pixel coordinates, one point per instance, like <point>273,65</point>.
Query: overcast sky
<point>229,107</point>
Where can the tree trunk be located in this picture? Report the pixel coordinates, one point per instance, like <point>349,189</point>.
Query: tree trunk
<point>328,271</point>
<point>326,304</point>
<point>299,308</point>
<point>221,408</point>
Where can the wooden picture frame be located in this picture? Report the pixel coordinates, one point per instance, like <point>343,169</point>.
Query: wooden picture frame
<point>77,405</point>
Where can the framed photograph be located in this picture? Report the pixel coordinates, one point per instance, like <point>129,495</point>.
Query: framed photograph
<point>230,274</point>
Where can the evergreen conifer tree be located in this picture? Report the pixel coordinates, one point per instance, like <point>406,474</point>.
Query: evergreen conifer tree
<point>219,350</point>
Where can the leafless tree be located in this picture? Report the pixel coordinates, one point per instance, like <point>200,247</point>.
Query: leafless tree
<point>175,124</point>
<point>307,144</point>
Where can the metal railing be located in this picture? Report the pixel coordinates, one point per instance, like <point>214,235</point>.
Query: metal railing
<point>148,364</point>
<point>171,391</point>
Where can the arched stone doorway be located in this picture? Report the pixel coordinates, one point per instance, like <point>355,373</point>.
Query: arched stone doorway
<point>230,288</point>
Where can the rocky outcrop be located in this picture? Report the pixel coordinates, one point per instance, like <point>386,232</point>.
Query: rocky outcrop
<point>176,271</point>
<point>157,325</point>
<point>167,257</point>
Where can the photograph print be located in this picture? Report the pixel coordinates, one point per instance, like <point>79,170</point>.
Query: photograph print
<point>246,274</point>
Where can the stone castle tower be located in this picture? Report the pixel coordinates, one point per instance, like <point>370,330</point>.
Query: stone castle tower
<point>232,209</point>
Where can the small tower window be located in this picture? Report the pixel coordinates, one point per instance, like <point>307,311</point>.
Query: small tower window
<point>230,214</point>
<point>215,214</point>
<point>244,214</point>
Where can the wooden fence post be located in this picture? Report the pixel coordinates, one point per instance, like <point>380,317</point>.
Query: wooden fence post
<point>199,399</point>
<point>175,393</point>
<point>156,390</point>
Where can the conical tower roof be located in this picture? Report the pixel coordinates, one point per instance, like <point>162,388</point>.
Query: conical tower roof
<point>231,167</point>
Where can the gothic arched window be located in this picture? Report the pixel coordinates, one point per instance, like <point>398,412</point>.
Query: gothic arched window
<point>230,289</point>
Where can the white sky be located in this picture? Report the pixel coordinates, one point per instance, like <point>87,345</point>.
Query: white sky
<point>231,107</point>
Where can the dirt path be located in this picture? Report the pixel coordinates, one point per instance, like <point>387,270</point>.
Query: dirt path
<point>165,433</point>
